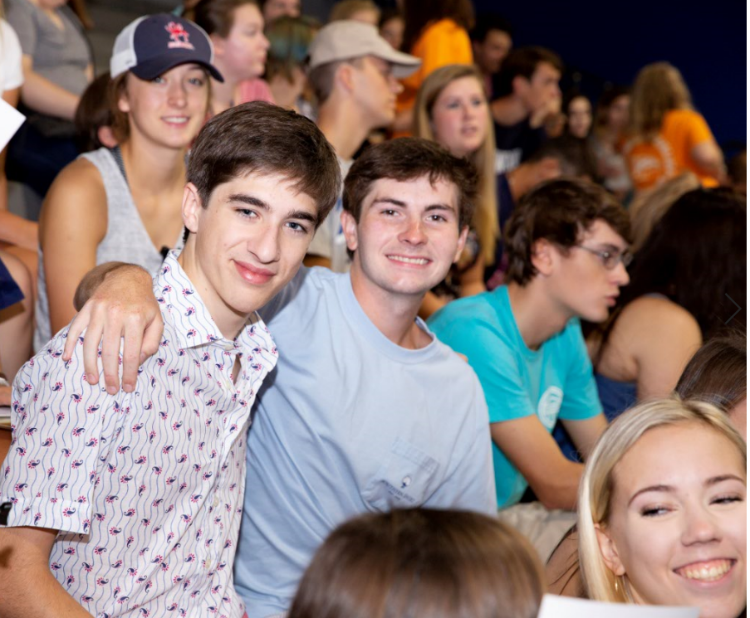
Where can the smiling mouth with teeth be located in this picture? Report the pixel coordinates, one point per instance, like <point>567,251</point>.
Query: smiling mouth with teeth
<point>710,571</point>
<point>408,260</point>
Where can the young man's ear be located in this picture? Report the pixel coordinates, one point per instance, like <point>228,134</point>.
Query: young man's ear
<point>542,256</point>
<point>218,45</point>
<point>461,243</point>
<point>520,85</point>
<point>349,225</point>
<point>345,76</point>
<point>609,550</point>
<point>191,207</point>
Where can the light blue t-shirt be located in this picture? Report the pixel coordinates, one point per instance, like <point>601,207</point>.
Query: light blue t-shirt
<point>555,381</point>
<point>350,423</point>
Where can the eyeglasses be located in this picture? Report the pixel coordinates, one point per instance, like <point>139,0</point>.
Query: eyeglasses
<point>610,259</point>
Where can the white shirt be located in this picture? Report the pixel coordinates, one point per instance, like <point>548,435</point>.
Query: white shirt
<point>146,487</point>
<point>11,71</point>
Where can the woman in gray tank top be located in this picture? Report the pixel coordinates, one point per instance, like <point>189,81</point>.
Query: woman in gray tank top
<point>124,204</point>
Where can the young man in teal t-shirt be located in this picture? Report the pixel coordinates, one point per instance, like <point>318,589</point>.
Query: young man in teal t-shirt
<point>567,250</point>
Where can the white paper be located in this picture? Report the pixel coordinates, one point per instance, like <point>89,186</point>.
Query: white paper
<point>566,607</point>
<point>10,120</point>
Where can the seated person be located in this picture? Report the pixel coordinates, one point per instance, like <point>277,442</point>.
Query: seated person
<point>236,31</point>
<point>663,510</point>
<point>289,39</point>
<point>687,279</point>
<point>421,563</point>
<point>718,374</point>
<point>57,66</point>
<point>355,85</point>
<point>528,91</point>
<point>357,417</point>
<point>567,244</point>
<point>124,204</point>
<point>132,502</point>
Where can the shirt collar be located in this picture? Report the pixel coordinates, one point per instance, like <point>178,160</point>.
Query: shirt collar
<point>192,324</point>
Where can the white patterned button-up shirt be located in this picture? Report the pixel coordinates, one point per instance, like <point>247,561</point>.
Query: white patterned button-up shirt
<point>146,488</point>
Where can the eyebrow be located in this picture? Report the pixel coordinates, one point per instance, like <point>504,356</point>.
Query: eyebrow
<point>251,200</point>
<point>714,480</point>
<point>392,200</point>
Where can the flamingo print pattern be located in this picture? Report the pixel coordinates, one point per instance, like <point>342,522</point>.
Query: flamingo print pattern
<point>145,488</point>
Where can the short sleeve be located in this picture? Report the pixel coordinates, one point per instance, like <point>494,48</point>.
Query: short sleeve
<point>581,399</point>
<point>21,19</point>
<point>12,70</point>
<point>50,472</point>
<point>446,43</point>
<point>697,130</point>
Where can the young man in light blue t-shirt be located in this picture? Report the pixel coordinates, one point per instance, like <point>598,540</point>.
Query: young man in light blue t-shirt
<point>567,250</point>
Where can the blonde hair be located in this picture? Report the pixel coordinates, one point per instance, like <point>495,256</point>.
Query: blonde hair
<point>659,88</point>
<point>648,207</point>
<point>485,220</point>
<point>597,484</point>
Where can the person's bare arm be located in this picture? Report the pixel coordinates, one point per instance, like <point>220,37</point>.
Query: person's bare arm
<point>708,157</point>
<point>585,433</point>
<point>119,305</point>
<point>73,223</point>
<point>44,96</point>
<point>661,337</point>
<point>531,449</point>
<point>27,587</point>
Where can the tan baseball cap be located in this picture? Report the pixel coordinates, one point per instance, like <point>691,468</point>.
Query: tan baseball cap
<point>348,39</point>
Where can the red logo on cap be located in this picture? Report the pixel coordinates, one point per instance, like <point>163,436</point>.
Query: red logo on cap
<point>178,34</point>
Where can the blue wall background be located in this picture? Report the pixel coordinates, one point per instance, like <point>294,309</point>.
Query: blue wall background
<point>611,41</point>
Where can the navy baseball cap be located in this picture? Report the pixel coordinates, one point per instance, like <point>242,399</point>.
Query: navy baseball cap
<point>153,44</point>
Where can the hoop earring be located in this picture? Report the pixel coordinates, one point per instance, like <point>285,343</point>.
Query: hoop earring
<point>617,586</point>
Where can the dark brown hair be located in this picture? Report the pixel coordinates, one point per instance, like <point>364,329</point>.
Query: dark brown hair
<point>261,138</point>
<point>523,62</point>
<point>422,564</point>
<point>217,16</point>
<point>406,159</point>
<point>418,14</point>
<point>558,211</point>
<point>94,111</point>
<point>717,373</point>
<point>696,256</point>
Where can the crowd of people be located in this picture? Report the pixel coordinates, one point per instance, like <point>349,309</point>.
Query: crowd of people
<point>364,318</point>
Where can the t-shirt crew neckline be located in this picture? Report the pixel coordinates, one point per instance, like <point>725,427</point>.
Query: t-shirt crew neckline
<point>372,334</point>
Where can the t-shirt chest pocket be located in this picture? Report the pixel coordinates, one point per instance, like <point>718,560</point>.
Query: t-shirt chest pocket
<point>404,479</point>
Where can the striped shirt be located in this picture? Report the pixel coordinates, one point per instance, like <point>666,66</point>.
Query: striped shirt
<point>146,487</point>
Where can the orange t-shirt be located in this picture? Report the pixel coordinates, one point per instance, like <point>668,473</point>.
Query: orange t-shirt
<point>440,44</point>
<point>668,154</point>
